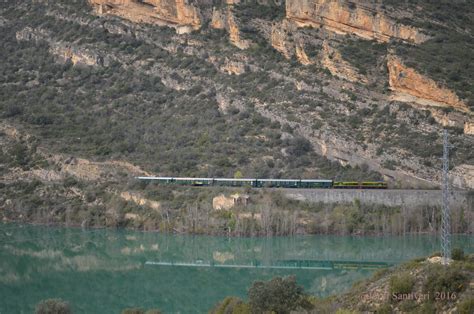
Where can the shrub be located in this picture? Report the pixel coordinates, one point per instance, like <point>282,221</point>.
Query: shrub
<point>280,295</point>
<point>457,254</point>
<point>466,306</point>
<point>69,182</point>
<point>133,311</point>
<point>344,311</point>
<point>53,306</point>
<point>385,308</point>
<point>407,306</point>
<point>444,280</point>
<point>299,146</point>
<point>401,284</point>
<point>231,305</point>
<point>427,308</point>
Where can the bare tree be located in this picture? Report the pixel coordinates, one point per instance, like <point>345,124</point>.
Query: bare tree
<point>267,219</point>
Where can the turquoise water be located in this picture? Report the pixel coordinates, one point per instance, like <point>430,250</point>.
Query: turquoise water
<point>104,271</point>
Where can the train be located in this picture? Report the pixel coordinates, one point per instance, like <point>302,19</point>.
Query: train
<point>267,183</point>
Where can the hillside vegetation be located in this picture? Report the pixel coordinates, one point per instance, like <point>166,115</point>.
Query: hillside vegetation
<point>89,100</point>
<point>419,286</point>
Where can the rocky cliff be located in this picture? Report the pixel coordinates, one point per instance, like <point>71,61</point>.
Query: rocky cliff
<point>224,19</point>
<point>179,14</point>
<point>347,17</point>
<point>300,101</point>
<point>410,86</point>
<point>280,33</point>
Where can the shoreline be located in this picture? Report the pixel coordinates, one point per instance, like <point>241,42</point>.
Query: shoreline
<point>93,228</point>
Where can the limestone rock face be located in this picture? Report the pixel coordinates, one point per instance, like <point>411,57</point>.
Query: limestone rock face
<point>181,15</point>
<point>279,37</point>
<point>218,20</point>
<point>234,31</point>
<point>469,128</point>
<point>333,61</point>
<point>233,67</point>
<point>78,56</point>
<point>453,119</point>
<point>222,202</point>
<point>301,55</point>
<point>410,86</point>
<point>463,176</point>
<point>224,19</point>
<point>140,200</point>
<point>349,18</point>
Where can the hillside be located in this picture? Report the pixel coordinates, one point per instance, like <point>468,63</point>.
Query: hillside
<point>418,286</point>
<point>303,89</point>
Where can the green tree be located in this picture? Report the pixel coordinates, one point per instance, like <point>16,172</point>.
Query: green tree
<point>280,295</point>
<point>457,254</point>
<point>401,284</point>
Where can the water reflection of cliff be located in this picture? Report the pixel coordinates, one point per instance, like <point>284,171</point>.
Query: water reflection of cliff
<point>105,249</point>
<point>104,271</point>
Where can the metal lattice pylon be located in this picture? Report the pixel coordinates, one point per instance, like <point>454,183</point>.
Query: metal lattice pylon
<point>446,218</point>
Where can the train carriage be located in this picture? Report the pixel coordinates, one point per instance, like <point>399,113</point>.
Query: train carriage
<point>235,182</point>
<point>373,185</point>
<point>194,181</point>
<point>158,180</point>
<point>345,185</point>
<point>278,183</point>
<point>360,185</point>
<point>312,184</point>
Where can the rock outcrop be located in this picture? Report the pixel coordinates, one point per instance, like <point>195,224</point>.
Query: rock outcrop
<point>79,56</point>
<point>225,19</point>
<point>454,119</point>
<point>222,202</point>
<point>469,128</point>
<point>463,176</point>
<point>32,34</point>
<point>66,51</point>
<point>410,86</point>
<point>346,17</point>
<point>179,14</point>
<point>233,67</point>
<point>140,200</point>
<point>218,20</point>
<point>279,37</point>
<point>333,61</point>
<point>301,54</point>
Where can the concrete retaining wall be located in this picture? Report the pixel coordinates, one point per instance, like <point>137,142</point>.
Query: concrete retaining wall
<point>409,198</point>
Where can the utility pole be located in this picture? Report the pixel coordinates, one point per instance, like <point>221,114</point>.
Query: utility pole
<point>446,218</point>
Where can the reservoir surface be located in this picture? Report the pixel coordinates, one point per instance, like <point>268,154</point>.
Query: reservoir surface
<point>106,271</point>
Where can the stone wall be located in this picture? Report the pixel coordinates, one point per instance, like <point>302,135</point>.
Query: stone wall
<point>409,198</point>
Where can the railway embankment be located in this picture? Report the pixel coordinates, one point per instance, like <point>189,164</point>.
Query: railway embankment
<point>408,198</point>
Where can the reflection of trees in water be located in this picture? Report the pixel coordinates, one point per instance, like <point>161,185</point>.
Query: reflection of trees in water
<point>63,258</point>
<point>125,247</point>
<point>333,282</point>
